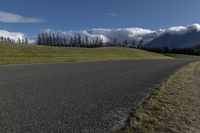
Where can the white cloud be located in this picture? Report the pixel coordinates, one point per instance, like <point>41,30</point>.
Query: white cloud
<point>15,35</point>
<point>193,27</point>
<point>130,34</point>
<point>6,17</point>
<point>177,30</point>
<point>113,14</point>
<point>108,35</point>
<point>180,29</point>
<point>12,35</point>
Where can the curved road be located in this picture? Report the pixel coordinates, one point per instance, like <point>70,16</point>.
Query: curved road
<point>76,97</point>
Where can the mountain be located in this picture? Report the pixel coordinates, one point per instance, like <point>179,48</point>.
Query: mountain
<point>186,40</point>
<point>197,47</point>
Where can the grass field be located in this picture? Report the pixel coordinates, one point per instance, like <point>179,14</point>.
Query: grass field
<point>16,54</point>
<point>183,56</point>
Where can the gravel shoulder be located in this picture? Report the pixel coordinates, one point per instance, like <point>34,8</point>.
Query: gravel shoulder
<point>174,107</point>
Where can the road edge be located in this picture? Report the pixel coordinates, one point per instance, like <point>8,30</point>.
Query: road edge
<point>135,122</point>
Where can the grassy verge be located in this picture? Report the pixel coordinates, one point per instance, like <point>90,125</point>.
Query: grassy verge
<point>15,53</point>
<point>183,56</point>
<point>175,107</point>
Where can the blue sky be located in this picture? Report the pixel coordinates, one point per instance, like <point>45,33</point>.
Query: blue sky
<point>68,15</point>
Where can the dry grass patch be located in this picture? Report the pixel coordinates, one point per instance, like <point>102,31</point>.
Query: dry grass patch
<point>174,108</point>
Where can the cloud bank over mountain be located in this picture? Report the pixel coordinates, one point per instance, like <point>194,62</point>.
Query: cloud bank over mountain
<point>180,29</point>
<point>108,35</point>
<point>179,37</point>
<point>130,34</point>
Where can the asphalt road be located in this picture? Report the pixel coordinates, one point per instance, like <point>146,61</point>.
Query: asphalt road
<point>76,97</point>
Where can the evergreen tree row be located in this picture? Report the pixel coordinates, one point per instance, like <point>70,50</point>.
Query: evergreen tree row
<point>4,39</point>
<point>76,41</point>
<point>189,51</point>
<point>79,41</point>
<point>19,41</point>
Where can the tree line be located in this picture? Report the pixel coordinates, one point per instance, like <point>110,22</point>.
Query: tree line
<point>77,40</point>
<point>189,51</point>
<point>6,39</point>
<point>9,40</point>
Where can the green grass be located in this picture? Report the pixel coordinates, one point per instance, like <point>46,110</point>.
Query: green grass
<point>16,54</point>
<point>183,56</point>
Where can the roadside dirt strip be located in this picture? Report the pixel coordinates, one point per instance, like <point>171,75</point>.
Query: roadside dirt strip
<point>174,107</point>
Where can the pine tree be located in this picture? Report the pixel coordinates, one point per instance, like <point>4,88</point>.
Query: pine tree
<point>115,42</point>
<point>71,42</point>
<point>23,41</point>
<point>87,43</point>
<point>141,43</point>
<point>1,38</point>
<point>97,42</point>
<point>79,41</point>
<point>19,40</point>
<point>125,43</point>
<point>134,44</point>
<point>75,41</point>
<point>64,41</point>
<point>26,41</point>
<point>101,42</point>
<point>50,40</point>
<point>39,40</point>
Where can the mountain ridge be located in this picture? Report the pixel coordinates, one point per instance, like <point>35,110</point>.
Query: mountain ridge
<point>186,40</point>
